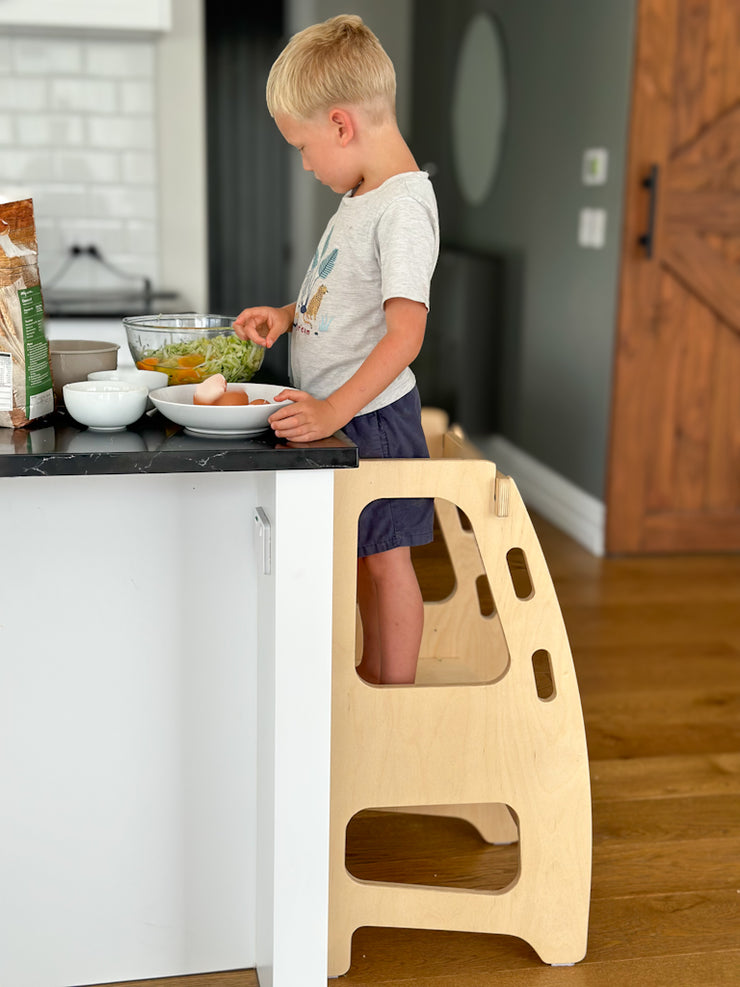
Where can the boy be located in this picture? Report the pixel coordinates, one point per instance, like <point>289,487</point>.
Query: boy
<point>361,313</point>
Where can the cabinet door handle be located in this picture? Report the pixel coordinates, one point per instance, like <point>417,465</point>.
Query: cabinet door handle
<point>264,533</point>
<point>647,238</point>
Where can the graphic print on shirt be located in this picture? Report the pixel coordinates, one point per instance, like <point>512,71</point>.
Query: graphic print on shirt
<point>308,319</point>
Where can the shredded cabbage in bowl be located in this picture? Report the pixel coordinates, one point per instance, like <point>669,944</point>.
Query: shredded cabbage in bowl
<point>238,360</point>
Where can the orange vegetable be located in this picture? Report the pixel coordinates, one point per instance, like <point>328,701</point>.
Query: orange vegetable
<point>148,363</point>
<point>184,375</point>
<point>190,360</point>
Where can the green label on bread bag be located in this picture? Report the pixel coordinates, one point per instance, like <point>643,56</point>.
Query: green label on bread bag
<point>38,371</point>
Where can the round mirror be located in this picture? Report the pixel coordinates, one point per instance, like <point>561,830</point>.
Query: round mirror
<point>478,108</point>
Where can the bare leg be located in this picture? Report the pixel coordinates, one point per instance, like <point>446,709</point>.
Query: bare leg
<point>370,664</point>
<point>400,617</point>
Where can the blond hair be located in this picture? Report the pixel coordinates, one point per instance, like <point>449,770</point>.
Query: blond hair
<point>337,62</point>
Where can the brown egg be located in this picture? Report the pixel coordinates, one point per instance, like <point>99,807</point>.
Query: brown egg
<point>232,397</point>
<point>259,401</point>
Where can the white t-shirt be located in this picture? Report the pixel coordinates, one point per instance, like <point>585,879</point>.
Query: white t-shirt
<point>380,245</point>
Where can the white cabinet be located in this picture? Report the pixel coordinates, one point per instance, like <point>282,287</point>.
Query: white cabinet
<point>164,727</point>
<point>114,15</point>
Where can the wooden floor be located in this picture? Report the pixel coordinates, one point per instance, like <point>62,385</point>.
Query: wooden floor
<point>656,643</point>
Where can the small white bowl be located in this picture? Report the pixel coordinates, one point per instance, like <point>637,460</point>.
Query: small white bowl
<point>130,375</point>
<point>105,405</point>
<point>151,379</point>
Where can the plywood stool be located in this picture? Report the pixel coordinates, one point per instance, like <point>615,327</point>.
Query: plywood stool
<point>501,742</point>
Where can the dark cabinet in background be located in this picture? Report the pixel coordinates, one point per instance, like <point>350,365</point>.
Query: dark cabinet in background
<point>459,364</point>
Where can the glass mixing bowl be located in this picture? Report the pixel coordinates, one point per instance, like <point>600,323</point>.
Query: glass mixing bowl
<point>188,348</point>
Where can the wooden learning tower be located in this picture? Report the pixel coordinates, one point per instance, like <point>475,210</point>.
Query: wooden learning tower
<point>492,731</point>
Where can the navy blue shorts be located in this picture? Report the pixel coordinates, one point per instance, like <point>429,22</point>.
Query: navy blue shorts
<point>393,432</point>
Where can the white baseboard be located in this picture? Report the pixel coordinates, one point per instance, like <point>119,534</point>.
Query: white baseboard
<point>561,502</point>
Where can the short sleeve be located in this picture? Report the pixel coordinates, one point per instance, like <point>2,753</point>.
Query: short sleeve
<point>408,246</point>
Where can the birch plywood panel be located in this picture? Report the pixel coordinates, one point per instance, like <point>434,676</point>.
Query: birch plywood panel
<point>460,643</point>
<point>459,745</point>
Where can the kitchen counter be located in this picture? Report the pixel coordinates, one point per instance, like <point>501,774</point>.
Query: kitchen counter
<point>111,304</point>
<point>165,703</point>
<point>58,446</point>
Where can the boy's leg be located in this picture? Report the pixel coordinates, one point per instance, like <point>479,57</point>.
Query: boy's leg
<point>370,665</point>
<point>400,616</point>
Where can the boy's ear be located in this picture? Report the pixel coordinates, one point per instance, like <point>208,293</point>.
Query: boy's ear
<point>344,125</point>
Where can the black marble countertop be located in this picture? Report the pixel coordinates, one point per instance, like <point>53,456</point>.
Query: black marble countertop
<point>58,446</point>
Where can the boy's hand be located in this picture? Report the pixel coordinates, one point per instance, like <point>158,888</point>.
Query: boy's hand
<point>263,325</point>
<point>306,420</point>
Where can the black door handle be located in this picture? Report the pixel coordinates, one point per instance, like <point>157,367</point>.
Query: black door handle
<point>647,238</point>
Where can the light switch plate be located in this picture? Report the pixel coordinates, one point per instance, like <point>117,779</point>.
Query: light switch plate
<point>595,166</point>
<point>592,228</point>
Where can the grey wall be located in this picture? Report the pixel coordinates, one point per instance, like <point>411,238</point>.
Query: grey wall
<point>569,69</point>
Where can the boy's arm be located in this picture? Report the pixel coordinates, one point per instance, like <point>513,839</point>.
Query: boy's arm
<point>310,418</point>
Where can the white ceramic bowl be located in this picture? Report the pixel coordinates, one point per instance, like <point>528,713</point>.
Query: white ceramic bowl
<point>130,375</point>
<point>105,405</point>
<point>73,359</point>
<point>176,403</point>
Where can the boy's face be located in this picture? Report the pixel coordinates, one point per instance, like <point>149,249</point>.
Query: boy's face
<point>323,150</point>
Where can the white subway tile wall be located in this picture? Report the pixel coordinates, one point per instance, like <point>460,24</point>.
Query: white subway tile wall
<point>78,135</point>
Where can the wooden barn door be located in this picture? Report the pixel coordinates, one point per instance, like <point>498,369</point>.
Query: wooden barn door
<point>674,463</point>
